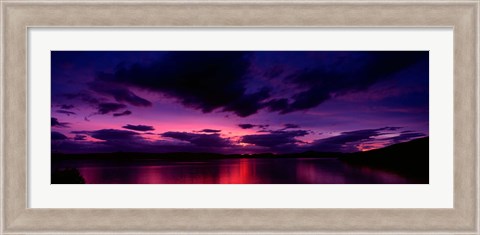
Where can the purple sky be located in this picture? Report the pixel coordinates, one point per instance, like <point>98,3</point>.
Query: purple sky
<point>236,101</point>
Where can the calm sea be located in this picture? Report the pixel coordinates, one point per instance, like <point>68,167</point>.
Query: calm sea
<point>229,171</point>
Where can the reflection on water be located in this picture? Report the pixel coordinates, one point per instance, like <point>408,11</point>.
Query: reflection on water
<point>229,171</point>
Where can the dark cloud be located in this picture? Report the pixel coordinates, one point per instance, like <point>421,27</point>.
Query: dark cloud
<point>84,96</point>
<point>58,136</point>
<point>405,136</point>
<point>105,108</point>
<point>203,140</point>
<point>123,140</point>
<point>279,141</point>
<point>274,138</point>
<point>80,137</point>
<point>250,126</point>
<point>68,113</point>
<point>112,134</point>
<point>124,113</point>
<point>351,73</point>
<point>203,80</point>
<point>307,99</point>
<point>348,141</point>
<point>139,127</point>
<point>210,131</point>
<point>56,123</point>
<point>112,140</point>
<point>81,132</point>
<point>275,105</point>
<point>246,126</point>
<point>65,106</point>
<point>119,93</point>
<point>224,81</point>
<point>248,104</point>
<point>291,126</point>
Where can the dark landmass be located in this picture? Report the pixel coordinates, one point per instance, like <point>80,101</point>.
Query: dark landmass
<point>410,159</point>
<point>67,176</point>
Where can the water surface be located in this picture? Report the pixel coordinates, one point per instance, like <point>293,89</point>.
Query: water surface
<point>229,171</point>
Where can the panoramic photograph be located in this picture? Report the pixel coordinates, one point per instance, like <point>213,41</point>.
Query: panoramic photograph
<point>239,117</point>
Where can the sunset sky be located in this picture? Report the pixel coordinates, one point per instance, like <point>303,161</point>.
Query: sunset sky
<point>237,101</point>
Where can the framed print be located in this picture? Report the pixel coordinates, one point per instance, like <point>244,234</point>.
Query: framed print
<point>228,117</point>
<point>191,134</point>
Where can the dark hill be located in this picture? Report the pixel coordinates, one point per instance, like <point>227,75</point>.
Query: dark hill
<point>410,159</point>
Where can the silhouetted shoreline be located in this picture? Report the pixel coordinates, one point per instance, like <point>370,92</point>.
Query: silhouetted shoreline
<point>410,159</point>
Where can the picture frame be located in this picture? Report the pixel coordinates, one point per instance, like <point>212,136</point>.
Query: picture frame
<point>18,16</point>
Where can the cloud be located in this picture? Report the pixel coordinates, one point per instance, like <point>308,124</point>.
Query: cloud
<point>80,137</point>
<point>248,104</point>
<point>81,132</point>
<point>210,131</point>
<point>68,113</point>
<point>64,106</point>
<point>274,138</point>
<point>113,134</point>
<point>58,136</point>
<point>246,126</point>
<point>275,105</point>
<point>139,127</point>
<point>279,141</point>
<point>405,136</point>
<point>235,82</point>
<point>203,140</point>
<point>291,126</point>
<point>105,108</point>
<point>349,141</point>
<point>56,123</point>
<point>119,93</point>
<point>112,140</point>
<point>124,113</point>
<point>250,126</point>
<point>350,73</point>
<point>84,96</point>
<point>202,80</point>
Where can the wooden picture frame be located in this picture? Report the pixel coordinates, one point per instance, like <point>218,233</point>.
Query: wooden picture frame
<point>18,16</point>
